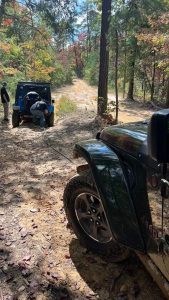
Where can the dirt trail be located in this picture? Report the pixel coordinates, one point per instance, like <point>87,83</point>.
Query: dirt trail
<point>39,257</point>
<point>85,98</point>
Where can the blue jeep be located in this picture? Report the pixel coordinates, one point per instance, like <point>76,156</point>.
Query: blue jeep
<point>27,93</point>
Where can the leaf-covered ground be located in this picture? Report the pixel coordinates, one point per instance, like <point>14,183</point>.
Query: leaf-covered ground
<point>39,257</point>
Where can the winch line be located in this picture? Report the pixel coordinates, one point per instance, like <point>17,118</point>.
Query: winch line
<point>57,151</point>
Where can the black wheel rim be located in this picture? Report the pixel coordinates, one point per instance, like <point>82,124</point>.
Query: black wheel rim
<point>92,218</point>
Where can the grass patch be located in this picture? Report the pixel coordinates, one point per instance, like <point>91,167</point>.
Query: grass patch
<point>65,106</point>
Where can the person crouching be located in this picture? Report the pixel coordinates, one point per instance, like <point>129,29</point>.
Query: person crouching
<point>39,109</point>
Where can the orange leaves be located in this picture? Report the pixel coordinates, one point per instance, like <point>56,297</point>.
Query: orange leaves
<point>163,20</point>
<point>10,71</point>
<point>25,44</point>
<point>156,40</point>
<point>7,22</point>
<point>40,72</point>
<point>5,47</point>
<point>157,36</point>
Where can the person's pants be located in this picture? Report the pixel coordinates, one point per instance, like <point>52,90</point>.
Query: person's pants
<point>6,110</point>
<point>40,115</point>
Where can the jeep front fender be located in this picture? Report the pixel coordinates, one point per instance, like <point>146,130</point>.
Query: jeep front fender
<point>113,190</point>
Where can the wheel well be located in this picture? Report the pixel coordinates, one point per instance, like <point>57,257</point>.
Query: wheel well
<point>82,168</point>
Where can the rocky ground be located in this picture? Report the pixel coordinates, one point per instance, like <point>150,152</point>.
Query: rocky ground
<point>39,257</point>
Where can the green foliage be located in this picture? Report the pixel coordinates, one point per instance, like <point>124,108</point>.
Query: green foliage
<point>51,40</point>
<point>60,76</point>
<point>12,83</point>
<point>28,50</point>
<point>143,47</point>
<point>92,68</point>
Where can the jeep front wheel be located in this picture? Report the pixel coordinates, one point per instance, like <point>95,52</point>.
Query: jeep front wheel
<point>86,215</point>
<point>15,119</point>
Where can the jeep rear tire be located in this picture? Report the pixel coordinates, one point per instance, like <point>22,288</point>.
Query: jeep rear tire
<point>87,217</point>
<point>50,121</point>
<point>15,119</point>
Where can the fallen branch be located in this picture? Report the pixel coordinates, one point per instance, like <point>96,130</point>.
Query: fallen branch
<point>155,106</point>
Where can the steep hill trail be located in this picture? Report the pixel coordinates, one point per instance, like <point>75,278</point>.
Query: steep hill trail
<point>39,257</point>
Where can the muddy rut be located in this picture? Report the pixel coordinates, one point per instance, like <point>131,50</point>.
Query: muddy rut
<point>40,258</point>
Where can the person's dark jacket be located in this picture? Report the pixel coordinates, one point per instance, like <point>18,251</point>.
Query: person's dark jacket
<point>4,95</point>
<point>39,105</point>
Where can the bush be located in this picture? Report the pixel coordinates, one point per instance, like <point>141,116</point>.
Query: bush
<point>65,106</point>
<point>61,76</point>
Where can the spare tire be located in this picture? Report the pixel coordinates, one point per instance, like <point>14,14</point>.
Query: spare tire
<point>29,99</point>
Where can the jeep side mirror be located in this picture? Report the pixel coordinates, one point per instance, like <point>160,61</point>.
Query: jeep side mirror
<point>158,136</point>
<point>53,101</point>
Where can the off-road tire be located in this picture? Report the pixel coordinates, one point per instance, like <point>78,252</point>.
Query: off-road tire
<point>50,121</point>
<point>77,185</point>
<point>15,119</point>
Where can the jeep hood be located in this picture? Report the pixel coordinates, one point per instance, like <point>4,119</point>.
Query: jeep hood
<point>131,137</point>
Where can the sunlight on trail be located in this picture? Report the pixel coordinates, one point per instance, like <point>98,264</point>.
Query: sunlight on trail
<point>85,97</point>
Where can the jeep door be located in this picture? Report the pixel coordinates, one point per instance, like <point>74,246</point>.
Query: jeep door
<point>158,244</point>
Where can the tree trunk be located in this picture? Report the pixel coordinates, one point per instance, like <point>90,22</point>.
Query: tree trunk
<point>2,10</point>
<point>116,74</point>
<point>163,82</point>
<point>78,61</point>
<point>144,91</point>
<point>132,71</point>
<point>88,33</point>
<point>131,84</point>
<point>153,77</point>
<point>167,96</point>
<point>104,57</point>
<point>125,69</point>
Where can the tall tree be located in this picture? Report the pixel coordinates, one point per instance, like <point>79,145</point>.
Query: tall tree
<point>132,69</point>
<point>104,57</point>
<point>116,73</point>
<point>167,94</point>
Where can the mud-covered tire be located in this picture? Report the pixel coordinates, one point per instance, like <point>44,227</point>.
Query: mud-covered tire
<point>50,121</point>
<point>15,119</point>
<point>79,185</point>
